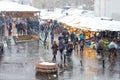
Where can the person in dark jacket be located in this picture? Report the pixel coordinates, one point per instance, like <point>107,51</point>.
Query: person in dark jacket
<point>46,35</point>
<point>9,28</point>
<point>81,44</point>
<point>54,50</point>
<point>69,48</point>
<point>61,48</point>
<point>52,36</point>
<point>72,35</point>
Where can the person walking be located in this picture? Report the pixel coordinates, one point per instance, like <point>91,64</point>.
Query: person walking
<point>9,28</point>
<point>72,35</point>
<point>75,43</point>
<point>100,47</point>
<point>69,48</point>
<point>52,36</point>
<point>112,53</point>
<point>61,49</point>
<point>54,50</point>
<point>46,35</point>
<point>82,37</point>
<point>81,43</point>
<point>61,38</point>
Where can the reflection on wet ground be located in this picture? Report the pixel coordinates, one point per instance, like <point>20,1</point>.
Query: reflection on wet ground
<point>43,76</point>
<point>18,63</point>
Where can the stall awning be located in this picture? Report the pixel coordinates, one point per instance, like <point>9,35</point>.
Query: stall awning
<point>12,6</point>
<point>13,9</point>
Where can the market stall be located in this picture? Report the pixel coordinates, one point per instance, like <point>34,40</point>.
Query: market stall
<point>26,38</point>
<point>16,12</point>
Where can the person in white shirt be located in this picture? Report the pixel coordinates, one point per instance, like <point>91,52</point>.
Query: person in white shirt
<point>112,45</point>
<point>112,50</point>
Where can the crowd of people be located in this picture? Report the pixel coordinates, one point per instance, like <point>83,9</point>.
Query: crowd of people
<point>67,42</point>
<point>19,26</point>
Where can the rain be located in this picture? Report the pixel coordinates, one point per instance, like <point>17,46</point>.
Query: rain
<point>58,40</point>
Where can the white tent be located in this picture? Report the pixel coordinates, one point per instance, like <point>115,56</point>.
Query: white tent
<point>91,23</point>
<point>12,6</point>
<point>54,15</point>
<point>67,19</point>
<point>114,26</point>
<point>12,9</point>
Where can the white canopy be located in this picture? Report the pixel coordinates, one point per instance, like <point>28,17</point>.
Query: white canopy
<point>83,22</point>
<point>45,14</point>
<point>12,6</point>
<point>91,23</point>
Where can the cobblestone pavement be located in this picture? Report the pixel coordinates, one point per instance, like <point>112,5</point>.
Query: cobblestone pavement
<point>18,63</point>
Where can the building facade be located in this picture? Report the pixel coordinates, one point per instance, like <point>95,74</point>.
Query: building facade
<point>107,8</point>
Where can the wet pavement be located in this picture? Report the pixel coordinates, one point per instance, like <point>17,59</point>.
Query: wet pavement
<point>18,63</point>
